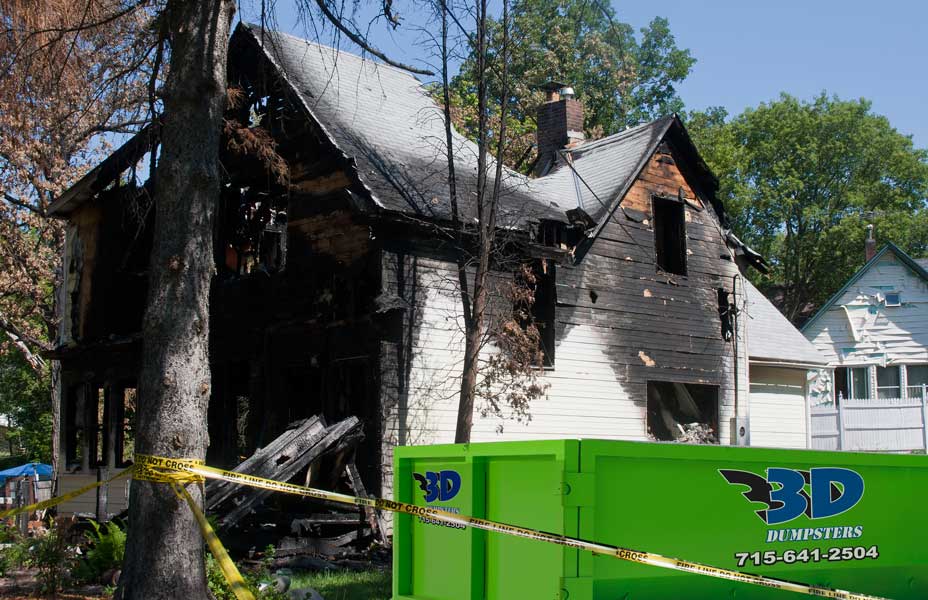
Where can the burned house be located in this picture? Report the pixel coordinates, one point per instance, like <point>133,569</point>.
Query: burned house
<point>335,287</point>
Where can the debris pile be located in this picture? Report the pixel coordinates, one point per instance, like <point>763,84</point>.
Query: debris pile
<point>306,533</point>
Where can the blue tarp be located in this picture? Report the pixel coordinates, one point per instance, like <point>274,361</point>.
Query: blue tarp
<point>42,470</point>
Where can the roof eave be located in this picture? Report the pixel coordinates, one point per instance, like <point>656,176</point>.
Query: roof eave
<point>785,363</point>
<point>888,247</point>
<point>105,172</point>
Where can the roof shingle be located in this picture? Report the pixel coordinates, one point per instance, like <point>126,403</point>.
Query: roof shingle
<point>771,337</point>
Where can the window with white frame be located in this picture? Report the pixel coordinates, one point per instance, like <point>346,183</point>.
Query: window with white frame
<point>852,383</point>
<point>916,377</point>
<point>888,382</point>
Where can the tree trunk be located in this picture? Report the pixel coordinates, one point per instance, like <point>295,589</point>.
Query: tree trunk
<point>465,419</point>
<point>164,552</point>
<point>56,395</point>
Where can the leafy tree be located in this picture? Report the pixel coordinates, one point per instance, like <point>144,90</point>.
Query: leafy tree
<point>802,179</point>
<point>622,79</point>
<point>63,68</point>
<point>24,402</point>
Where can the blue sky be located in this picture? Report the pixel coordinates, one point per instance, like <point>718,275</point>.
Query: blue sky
<point>749,51</point>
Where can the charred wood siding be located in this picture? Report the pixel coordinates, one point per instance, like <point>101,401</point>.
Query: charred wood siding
<point>620,323</point>
<point>653,325</point>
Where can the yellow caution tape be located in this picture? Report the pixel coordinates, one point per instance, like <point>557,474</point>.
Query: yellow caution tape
<point>64,497</point>
<point>176,472</point>
<point>646,558</point>
<point>228,568</point>
<point>179,472</point>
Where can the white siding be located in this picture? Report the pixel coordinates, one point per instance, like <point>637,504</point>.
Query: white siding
<point>584,398</point>
<point>117,495</point>
<point>885,335</point>
<point>588,394</point>
<point>778,407</point>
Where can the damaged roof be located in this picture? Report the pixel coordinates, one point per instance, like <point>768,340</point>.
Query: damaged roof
<point>597,174</point>
<point>772,338</point>
<point>385,120</point>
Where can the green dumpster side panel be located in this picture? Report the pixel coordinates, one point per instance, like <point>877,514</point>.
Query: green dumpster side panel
<point>672,500</point>
<point>512,482</point>
<point>665,498</point>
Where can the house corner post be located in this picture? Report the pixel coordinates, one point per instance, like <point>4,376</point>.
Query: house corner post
<point>841,432</point>
<point>925,417</point>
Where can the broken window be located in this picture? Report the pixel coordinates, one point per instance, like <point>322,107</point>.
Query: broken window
<point>683,412</point>
<point>99,426</point>
<point>543,309</point>
<point>669,235</point>
<point>252,232</point>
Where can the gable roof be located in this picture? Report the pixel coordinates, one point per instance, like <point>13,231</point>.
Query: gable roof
<point>384,120</point>
<point>920,267</point>
<point>594,175</point>
<point>772,338</point>
<point>386,125</point>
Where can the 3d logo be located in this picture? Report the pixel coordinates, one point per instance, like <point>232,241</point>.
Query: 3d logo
<point>441,485</point>
<point>831,491</point>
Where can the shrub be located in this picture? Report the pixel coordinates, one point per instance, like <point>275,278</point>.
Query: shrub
<point>221,590</point>
<point>15,550</point>
<point>55,555</point>
<point>106,551</point>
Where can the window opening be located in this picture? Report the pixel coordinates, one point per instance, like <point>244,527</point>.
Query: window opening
<point>543,309</point>
<point>859,383</point>
<point>888,382</point>
<point>670,235</point>
<point>127,431</point>
<point>852,383</point>
<point>892,299</point>
<point>916,377</point>
<point>683,412</point>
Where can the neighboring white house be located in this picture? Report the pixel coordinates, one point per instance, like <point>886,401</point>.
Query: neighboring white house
<point>785,372</point>
<point>874,332</point>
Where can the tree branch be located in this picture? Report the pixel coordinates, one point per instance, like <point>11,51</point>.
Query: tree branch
<point>24,205</point>
<point>22,343</point>
<point>360,41</point>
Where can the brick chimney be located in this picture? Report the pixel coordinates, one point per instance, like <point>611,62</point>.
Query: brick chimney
<point>870,244</point>
<point>560,124</point>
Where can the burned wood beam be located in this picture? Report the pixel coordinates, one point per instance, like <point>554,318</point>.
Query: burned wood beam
<point>320,186</point>
<point>285,466</point>
<point>317,546</point>
<point>292,442</point>
<point>373,516</point>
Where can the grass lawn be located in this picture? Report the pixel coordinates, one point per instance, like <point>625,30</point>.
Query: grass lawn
<point>347,585</point>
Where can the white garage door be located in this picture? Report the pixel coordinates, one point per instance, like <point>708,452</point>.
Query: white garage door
<point>778,407</point>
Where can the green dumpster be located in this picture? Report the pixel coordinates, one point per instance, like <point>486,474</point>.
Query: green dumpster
<point>850,521</point>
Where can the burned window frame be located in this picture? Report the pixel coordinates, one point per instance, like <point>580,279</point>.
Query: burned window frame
<point>707,401</point>
<point>544,309</point>
<point>669,258</point>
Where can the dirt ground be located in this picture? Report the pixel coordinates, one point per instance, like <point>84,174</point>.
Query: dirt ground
<point>22,585</point>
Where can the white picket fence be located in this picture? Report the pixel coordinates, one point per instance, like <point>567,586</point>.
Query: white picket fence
<point>873,424</point>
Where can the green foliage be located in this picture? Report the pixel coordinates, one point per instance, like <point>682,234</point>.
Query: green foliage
<point>622,79</point>
<point>220,590</point>
<point>347,585</point>
<point>216,581</point>
<point>15,552</point>
<point>106,551</point>
<point>54,555</point>
<point>25,400</point>
<point>802,179</point>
